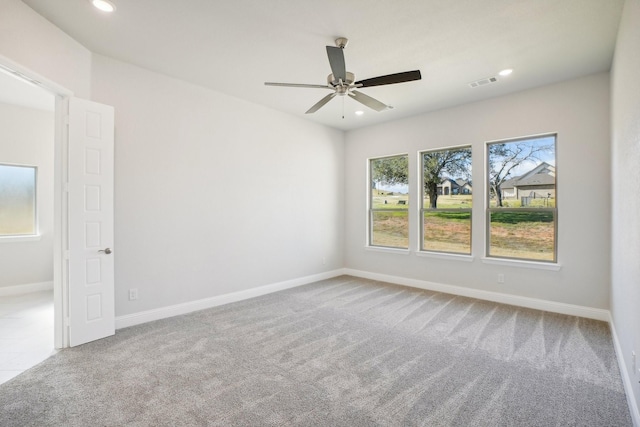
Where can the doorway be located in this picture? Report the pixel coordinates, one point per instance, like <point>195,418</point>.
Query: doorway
<point>83,212</point>
<point>27,145</point>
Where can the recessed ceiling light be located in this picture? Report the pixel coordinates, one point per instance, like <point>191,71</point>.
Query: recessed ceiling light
<point>104,5</point>
<point>506,72</point>
<point>359,113</point>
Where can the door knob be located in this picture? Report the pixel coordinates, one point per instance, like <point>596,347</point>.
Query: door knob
<point>106,251</point>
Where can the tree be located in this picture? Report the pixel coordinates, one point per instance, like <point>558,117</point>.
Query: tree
<point>504,158</point>
<point>454,162</point>
<point>390,171</point>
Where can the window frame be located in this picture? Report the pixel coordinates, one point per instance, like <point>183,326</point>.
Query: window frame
<point>422,208</point>
<point>36,226</point>
<point>489,209</point>
<point>371,210</point>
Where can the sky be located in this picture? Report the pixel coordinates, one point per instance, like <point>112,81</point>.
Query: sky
<point>526,166</point>
<point>548,157</point>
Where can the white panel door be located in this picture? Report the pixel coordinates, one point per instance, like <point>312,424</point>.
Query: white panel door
<point>91,259</point>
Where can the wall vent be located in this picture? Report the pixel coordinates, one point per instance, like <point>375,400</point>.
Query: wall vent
<point>483,82</point>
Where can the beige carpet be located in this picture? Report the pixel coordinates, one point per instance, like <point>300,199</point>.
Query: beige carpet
<point>342,352</point>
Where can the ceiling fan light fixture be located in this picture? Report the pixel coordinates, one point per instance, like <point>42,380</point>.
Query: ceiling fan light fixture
<point>104,5</point>
<point>506,72</point>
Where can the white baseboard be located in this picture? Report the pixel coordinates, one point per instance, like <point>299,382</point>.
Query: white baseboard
<point>538,304</point>
<point>188,307</point>
<point>626,378</point>
<point>26,289</point>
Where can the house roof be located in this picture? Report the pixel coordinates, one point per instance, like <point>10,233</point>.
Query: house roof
<point>538,179</point>
<point>456,182</point>
<point>543,175</point>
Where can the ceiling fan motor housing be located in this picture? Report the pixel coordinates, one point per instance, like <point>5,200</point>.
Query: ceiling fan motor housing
<point>333,82</point>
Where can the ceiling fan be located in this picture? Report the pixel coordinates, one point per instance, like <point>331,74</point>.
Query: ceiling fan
<point>342,82</point>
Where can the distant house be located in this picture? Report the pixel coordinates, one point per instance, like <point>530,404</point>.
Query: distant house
<point>454,187</point>
<point>539,182</point>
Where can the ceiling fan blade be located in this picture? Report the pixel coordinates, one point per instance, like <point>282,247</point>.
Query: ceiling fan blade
<point>368,101</point>
<point>407,76</point>
<point>320,103</point>
<point>336,60</point>
<point>298,85</point>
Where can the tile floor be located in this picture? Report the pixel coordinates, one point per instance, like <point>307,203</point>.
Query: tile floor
<point>26,332</point>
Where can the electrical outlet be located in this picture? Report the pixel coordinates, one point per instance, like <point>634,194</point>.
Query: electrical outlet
<point>500,278</point>
<point>133,294</point>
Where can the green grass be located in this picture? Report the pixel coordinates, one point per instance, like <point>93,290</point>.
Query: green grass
<point>451,202</point>
<point>525,235</point>
<point>444,202</point>
<point>514,234</point>
<point>392,201</point>
<point>391,229</point>
<point>511,217</point>
<point>464,215</point>
<point>522,235</point>
<point>447,232</point>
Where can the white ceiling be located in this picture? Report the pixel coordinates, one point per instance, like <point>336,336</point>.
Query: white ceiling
<point>235,46</point>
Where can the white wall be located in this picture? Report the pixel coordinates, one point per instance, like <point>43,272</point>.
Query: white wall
<point>214,194</point>
<point>578,111</point>
<point>33,42</point>
<point>625,135</point>
<point>26,137</point>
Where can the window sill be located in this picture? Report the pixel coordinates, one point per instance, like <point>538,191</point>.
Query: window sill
<point>447,256</point>
<point>8,239</point>
<point>523,264</point>
<point>387,250</point>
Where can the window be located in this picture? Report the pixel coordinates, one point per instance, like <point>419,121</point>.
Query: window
<point>522,212</point>
<point>17,200</point>
<point>446,200</point>
<point>389,202</point>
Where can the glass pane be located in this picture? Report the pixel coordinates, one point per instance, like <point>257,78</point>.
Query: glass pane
<point>390,191</point>
<point>446,185</point>
<point>527,235</point>
<point>389,183</point>
<point>523,173</point>
<point>390,228</point>
<point>446,180</point>
<point>17,200</point>
<point>447,231</point>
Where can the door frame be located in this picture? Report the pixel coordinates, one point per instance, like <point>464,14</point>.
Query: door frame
<point>60,210</point>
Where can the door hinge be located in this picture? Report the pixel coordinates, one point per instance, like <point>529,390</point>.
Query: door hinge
<point>66,322</point>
